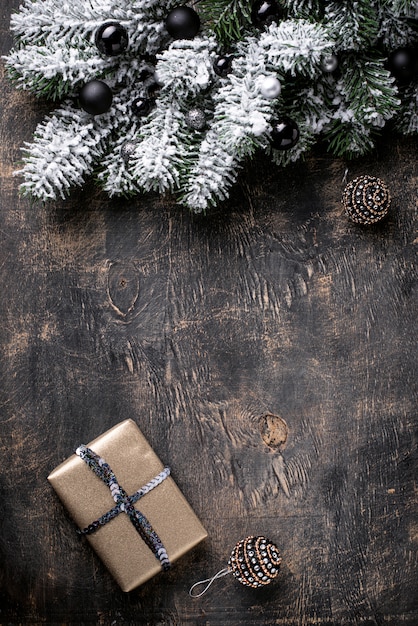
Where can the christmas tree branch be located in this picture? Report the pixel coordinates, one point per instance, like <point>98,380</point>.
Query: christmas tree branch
<point>113,172</point>
<point>166,142</point>
<point>307,107</point>
<point>307,9</point>
<point>157,163</point>
<point>297,47</point>
<point>185,68</point>
<point>115,175</point>
<point>55,48</point>
<point>367,98</point>
<point>406,7</point>
<point>65,149</point>
<point>396,30</point>
<point>242,115</point>
<point>228,19</point>
<point>52,72</point>
<point>328,67</point>
<point>407,122</point>
<point>355,25</point>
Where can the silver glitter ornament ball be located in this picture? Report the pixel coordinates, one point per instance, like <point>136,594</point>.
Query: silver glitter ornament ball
<point>195,119</point>
<point>127,150</point>
<point>270,87</point>
<point>366,200</point>
<point>329,63</point>
<point>255,561</point>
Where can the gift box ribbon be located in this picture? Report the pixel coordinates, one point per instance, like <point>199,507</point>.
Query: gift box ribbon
<point>125,503</point>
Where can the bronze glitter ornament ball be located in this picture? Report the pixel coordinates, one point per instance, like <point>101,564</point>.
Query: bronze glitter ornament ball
<point>255,561</point>
<point>366,200</point>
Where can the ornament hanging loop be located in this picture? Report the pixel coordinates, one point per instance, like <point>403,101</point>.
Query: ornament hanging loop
<point>209,581</point>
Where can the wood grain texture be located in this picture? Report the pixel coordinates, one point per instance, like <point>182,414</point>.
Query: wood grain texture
<point>198,327</point>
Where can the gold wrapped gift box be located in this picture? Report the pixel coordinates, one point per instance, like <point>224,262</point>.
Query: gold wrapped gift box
<point>117,543</point>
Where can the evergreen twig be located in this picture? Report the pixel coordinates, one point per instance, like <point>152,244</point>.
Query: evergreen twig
<point>55,54</point>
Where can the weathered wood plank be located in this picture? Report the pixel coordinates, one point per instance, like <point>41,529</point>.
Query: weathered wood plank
<point>199,328</point>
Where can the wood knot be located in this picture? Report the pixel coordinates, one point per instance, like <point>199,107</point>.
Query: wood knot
<point>274,431</point>
<point>123,287</point>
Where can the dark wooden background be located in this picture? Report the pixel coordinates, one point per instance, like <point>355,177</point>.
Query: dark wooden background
<point>197,327</point>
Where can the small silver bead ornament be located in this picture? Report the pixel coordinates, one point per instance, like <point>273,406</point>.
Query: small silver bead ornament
<point>127,150</point>
<point>366,200</point>
<point>329,63</point>
<point>195,119</point>
<point>270,87</point>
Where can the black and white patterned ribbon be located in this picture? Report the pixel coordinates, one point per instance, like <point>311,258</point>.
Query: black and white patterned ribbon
<point>125,503</point>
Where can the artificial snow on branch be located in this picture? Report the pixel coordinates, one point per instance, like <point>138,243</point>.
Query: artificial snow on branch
<point>65,148</point>
<point>366,98</point>
<point>242,112</point>
<point>169,97</point>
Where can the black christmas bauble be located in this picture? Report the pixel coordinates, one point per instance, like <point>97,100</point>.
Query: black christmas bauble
<point>153,89</point>
<point>284,134</point>
<point>148,58</point>
<point>403,64</point>
<point>111,39</point>
<point>142,106</point>
<point>182,23</point>
<point>366,200</point>
<point>222,65</point>
<point>264,12</point>
<point>255,561</point>
<point>95,97</point>
<point>145,74</point>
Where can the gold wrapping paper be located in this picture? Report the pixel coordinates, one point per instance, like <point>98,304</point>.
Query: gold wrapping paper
<point>118,544</point>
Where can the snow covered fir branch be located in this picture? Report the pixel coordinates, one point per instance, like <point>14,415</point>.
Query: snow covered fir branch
<point>170,97</point>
